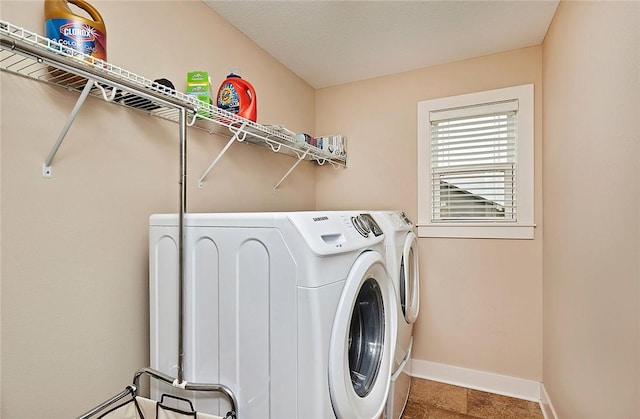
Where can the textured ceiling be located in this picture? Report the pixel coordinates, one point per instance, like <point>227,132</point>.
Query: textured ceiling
<point>328,43</point>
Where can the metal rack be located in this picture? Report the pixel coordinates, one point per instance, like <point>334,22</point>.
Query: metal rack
<point>131,391</point>
<point>33,56</point>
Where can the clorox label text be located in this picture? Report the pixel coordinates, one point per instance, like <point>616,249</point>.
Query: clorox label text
<point>78,32</point>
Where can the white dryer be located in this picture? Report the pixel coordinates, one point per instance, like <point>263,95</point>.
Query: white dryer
<point>401,256</point>
<point>294,312</point>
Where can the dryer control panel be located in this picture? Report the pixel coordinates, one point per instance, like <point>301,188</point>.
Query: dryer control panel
<point>400,220</point>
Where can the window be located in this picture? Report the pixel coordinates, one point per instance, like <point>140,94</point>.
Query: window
<point>475,164</point>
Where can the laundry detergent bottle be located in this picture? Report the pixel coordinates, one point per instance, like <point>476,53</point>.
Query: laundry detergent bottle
<point>63,26</point>
<point>238,96</point>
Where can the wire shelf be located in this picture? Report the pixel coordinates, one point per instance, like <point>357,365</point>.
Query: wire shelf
<point>36,57</point>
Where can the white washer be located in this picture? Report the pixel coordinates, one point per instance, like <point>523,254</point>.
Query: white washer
<point>401,256</point>
<point>294,312</point>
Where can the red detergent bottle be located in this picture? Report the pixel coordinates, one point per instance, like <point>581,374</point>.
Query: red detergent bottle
<point>238,96</point>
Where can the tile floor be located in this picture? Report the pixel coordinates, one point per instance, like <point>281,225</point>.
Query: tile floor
<point>433,400</point>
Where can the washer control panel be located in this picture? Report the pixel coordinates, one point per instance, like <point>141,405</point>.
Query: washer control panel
<point>365,224</point>
<point>331,232</point>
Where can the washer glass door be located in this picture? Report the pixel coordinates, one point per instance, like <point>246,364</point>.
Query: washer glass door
<point>363,338</point>
<point>366,337</point>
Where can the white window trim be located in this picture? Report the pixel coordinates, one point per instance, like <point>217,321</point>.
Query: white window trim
<point>523,228</point>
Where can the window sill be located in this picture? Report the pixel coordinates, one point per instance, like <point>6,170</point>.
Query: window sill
<point>478,231</point>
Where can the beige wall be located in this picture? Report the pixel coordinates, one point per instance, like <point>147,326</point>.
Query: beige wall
<point>591,57</point>
<point>74,251</point>
<point>73,254</point>
<point>481,300</point>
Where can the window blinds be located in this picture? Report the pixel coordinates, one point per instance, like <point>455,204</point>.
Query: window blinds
<point>473,160</point>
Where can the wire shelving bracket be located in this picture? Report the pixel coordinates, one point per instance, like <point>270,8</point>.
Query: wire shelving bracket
<point>286,175</point>
<point>239,135</point>
<point>46,168</point>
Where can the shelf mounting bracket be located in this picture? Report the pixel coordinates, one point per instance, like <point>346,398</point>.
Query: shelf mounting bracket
<point>300,158</point>
<point>238,135</point>
<point>46,167</point>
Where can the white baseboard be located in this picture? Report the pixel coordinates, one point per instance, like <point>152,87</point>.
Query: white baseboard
<point>545,404</point>
<point>477,380</point>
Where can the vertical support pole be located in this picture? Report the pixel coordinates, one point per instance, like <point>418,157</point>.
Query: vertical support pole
<point>181,239</point>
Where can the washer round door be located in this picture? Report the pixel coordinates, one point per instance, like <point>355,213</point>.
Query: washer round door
<point>363,338</point>
<point>410,279</point>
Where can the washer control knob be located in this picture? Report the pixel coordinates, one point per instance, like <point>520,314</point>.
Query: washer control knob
<point>362,225</point>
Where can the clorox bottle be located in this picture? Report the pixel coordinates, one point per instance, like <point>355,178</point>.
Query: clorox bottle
<point>84,35</point>
<point>238,96</point>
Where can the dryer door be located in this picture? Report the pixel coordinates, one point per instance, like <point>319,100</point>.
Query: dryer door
<point>410,279</point>
<point>362,340</point>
